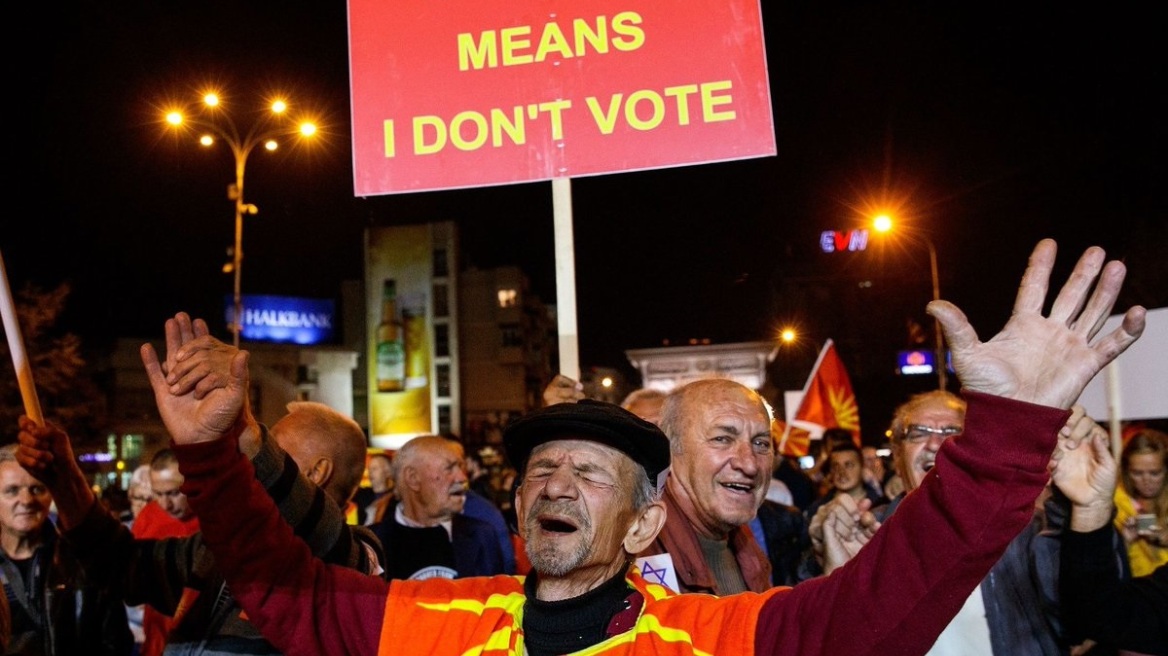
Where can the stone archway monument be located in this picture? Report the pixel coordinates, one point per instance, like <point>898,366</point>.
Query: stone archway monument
<point>669,367</point>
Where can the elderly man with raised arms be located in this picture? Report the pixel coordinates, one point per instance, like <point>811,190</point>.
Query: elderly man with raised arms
<point>587,503</point>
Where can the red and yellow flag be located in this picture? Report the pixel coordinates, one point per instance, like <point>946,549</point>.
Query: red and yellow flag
<point>828,402</point>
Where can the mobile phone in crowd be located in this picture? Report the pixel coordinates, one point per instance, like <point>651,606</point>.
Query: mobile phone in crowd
<point>1146,523</point>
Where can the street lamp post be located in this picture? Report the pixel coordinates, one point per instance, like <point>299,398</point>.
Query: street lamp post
<point>883,223</point>
<point>235,193</point>
<point>264,130</point>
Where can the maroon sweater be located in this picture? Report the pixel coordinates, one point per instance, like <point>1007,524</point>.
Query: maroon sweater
<point>894,597</point>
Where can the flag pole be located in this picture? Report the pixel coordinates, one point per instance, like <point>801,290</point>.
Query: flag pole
<point>32,405</point>
<point>569,338</point>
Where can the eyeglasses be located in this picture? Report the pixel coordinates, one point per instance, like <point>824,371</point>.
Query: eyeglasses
<point>916,433</point>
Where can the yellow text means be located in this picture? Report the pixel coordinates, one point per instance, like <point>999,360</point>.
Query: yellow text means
<point>512,46</point>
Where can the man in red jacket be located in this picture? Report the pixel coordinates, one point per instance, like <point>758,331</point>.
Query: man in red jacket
<point>169,515</point>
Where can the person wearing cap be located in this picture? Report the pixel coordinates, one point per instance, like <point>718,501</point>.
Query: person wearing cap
<point>588,502</point>
<point>722,456</point>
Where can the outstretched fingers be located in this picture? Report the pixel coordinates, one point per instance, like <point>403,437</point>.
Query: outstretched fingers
<point>1098,308</point>
<point>959,333</point>
<point>153,367</point>
<point>185,326</point>
<point>179,331</point>
<point>1075,291</point>
<point>1117,341</point>
<point>1032,291</point>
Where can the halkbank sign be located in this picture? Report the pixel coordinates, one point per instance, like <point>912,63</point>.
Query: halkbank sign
<point>286,319</point>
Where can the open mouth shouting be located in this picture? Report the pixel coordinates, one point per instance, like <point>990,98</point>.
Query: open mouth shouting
<point>556,525</point>
<point>555,522</point>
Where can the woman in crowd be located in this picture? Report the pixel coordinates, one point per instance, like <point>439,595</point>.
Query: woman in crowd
<point>1141,500</point>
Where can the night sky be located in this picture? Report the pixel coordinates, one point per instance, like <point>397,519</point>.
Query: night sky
<point>993,126</point>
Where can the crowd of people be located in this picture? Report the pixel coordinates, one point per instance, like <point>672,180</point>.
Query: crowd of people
<point>1000,526</point>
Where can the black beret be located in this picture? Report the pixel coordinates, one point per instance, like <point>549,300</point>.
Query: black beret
<point>601,422</point>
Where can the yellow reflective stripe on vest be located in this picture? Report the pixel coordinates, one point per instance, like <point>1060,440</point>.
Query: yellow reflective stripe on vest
<point>484,617</point>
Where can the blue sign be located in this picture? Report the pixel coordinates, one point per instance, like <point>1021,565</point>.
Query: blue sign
<point>285,319</point>
<point>920,361</point>
<point>916,361</point>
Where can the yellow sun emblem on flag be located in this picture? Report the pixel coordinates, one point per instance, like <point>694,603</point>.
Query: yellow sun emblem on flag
<point>843,404</point>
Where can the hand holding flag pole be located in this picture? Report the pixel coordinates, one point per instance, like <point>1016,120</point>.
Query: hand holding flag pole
<point>32,405</point>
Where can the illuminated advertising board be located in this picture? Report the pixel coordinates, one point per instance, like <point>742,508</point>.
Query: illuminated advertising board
<point>399,321</point>
<point>285,319</point>
<point>843,241</point>
<point>465,94</point>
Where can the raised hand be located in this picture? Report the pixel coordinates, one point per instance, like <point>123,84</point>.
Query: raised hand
<point>845,525</point>
<point>1085,471</point>
<point>184,331</point>
<point>1045,360</point>
<point>45,452</point>
<point>200,364</point>
<point>562,390</point>
<point>190,418</point>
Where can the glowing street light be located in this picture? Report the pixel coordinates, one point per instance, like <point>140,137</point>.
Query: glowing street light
<point>883,223</point>
<point>214,122</point>
<point>788,335</point>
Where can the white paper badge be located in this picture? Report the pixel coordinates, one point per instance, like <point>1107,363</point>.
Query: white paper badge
<point>659,569</point>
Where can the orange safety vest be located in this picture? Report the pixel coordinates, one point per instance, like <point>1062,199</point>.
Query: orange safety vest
<point>485,616</point>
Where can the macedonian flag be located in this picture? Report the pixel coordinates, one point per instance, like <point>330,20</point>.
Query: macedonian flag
<point>828,402</point>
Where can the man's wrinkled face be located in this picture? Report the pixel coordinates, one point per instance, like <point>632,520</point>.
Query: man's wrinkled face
<point>927,428</point>
<point>24,501</point>
<point>442,480</point>
<point>725,460</point>
<point>847,470</point>
<point>576,505</point>
<point>166,484</point>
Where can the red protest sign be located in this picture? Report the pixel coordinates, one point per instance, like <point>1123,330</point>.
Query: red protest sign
<point>462,94</point>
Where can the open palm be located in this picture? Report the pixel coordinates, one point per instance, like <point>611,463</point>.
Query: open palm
<point>1046,360</point>
<point>188,417</point>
